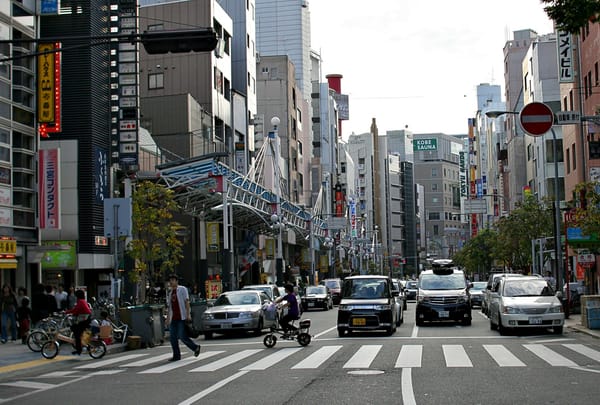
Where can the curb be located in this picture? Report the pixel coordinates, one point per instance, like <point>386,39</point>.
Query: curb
<point>581,329</point>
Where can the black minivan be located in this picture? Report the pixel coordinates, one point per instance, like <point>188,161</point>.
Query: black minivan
<point>367,303</point>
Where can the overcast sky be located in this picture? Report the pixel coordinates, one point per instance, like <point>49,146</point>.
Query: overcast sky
<point>416,64</point>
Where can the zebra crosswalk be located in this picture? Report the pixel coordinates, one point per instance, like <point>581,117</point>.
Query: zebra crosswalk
<point>364,357</point>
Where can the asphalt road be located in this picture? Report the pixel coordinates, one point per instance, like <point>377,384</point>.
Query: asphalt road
<point>433,364</point>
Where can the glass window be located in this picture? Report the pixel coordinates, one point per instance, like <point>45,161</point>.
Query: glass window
<point>4,154</point>
<point>156,81</point>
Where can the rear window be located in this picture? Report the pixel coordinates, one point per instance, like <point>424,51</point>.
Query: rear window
<point>365,288</point>
<point>442,282</point>
<point>332,283</point>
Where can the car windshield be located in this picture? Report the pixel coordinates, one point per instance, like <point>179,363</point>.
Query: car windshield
<point>478,286</point>
<point>316,290</point>
<point>332,283</point>
<point>528,288</point>
<point>442,282</point>
<point>237,299</point>
<point>365,288</point>
<point>411,284</point>
<point>266,289</point>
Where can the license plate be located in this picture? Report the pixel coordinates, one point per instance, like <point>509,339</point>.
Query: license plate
<point>535,320</point>
<point>443,314</point>
<point>226,326</point>
<point>359,321</point>
<point>311,304</point>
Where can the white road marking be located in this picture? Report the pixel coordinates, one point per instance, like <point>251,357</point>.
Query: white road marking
<point>325,332</point>
<point>415,332</point>
<point>550,356</point>
<point>586,351</point>
<point>145,362</point>
<point>98,364</point>
<point>363,357</point>
<point>317,358</point>
<point>410,356</point>
<point>181,363</point>
<point>502,356</point>
<point>272,359</point>
<point>213,388</point>
<point>216,365</point>
<point>57,374</point>
<point>408,395</point>
<point>456,356</point>
<point>30,384</point>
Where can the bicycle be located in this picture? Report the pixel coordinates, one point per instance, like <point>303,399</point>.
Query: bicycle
<point>41,333</point>
<point>95,347</point>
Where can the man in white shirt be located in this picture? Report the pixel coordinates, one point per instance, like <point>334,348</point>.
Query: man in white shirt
<point>61,298</point>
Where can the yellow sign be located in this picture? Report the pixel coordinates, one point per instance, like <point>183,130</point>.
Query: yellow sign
<point>214,288</point>
<point>270,248</point>
<point>212,236</point>
<point>8,247</point>
<point>46,83</point>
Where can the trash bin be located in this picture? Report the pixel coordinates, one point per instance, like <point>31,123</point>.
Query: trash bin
<point>145,321</point>
<point>197,308</point>
<point>590,311</point>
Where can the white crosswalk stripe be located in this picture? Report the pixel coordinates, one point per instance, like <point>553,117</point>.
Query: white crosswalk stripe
<point>410,356</point>
<point>502,356</point>
<point>317,358</point>
<point>272,359</point>
<point>586,351</point>
<point>227,361</point>
<point>456,356</point>
<point>363,357</point>
<point>181,363</point>
<point>103,363</point>
<point>550,356</point>
<point>150,360</point>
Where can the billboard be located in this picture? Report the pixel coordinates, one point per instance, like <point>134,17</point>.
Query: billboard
<point>49,188</point>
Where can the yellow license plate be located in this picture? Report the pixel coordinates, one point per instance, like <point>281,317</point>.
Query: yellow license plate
<point>359,321</point>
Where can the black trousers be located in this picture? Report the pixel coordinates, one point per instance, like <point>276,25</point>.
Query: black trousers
<point>285,322</point>
<point>78,329</point>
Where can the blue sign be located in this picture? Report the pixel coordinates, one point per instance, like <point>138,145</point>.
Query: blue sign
<point>49,6</point>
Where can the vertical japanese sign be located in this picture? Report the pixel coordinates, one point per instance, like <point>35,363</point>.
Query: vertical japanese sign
<point>564,46</point>
<point>270,248</point>
<point>353,218</point>
<point>212,237</point>
<point>46,83</point>
<point>100,174</point>
<point>463,174</point>
<point>49,188</point>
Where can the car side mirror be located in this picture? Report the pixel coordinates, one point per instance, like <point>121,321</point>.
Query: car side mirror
<point>470,285</point>
<point>396,293</point>
<point>488,287</point>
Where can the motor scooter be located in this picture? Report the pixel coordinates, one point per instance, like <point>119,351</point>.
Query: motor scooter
<point>301,334</point>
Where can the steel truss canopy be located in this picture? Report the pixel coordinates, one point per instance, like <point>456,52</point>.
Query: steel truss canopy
<point>199,182</point>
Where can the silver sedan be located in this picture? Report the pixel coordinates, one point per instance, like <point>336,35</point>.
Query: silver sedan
<point>236,311</point>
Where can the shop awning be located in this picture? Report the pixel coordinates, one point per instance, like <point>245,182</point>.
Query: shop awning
<point>8,263</point>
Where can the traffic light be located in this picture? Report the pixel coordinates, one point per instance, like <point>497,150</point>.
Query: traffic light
<point>179,41</point>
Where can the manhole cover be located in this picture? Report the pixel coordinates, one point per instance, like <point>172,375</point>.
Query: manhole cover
<point>365,372</point>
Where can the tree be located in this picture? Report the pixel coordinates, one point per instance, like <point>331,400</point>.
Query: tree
<point>572,15</point>
<point>478,253</point>
<point>587,214</point>
<point>531,220</point>
<point>155,247</point>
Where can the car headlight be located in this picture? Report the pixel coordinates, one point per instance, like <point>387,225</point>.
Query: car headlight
<point>208,316</point>
<point>461,299</point>
<point>423,298</point>
<point>382,307</point>
<point>510,310</point>
<point>254,314</point>
<point>344,307</point>
<point>555,309</point>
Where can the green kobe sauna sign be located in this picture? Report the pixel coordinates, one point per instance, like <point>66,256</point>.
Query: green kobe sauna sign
<point>424,144</point>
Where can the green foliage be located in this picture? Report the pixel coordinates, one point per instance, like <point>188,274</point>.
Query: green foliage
<point>478,254</point>
<point>572,15</point>
<point>587,213</point>
<point>155,246</point>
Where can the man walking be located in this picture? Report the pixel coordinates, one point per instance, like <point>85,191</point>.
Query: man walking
<point>179,313</point>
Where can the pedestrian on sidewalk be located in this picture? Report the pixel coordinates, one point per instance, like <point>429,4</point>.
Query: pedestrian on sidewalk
<point>9,312</point>
<point>179,312</point>
<point>24,318</point>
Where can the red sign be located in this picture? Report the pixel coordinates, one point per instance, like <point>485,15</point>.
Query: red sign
<point>536,118</point>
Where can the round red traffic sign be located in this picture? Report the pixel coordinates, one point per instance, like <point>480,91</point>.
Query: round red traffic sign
<point>536,118</point>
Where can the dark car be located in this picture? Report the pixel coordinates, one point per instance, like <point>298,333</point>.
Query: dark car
<point>411,290</point>
<point>335,287</point>
<point>402,293</point>
<point>477,293</point>
<point>576,290</point>
<point>367,303</point>
<point>317,296</point>
<point>443,296</point>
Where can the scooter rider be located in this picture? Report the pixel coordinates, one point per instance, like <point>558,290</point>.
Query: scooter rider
<point>292,303</point>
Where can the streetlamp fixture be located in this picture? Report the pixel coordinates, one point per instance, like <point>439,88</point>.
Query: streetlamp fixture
<point>277,218</point>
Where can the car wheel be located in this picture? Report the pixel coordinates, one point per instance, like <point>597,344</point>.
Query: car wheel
<point>259,329</point>
<point>466,321</point>
<point>557,330</point>
<point>326,307</point>
<point>208,335</point>
<point>501,328</point>
<point>493,326</point>
<point>342,332</point>
<point>420,322</point>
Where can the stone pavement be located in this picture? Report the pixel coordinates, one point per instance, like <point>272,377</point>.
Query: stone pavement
<point>574,323</point>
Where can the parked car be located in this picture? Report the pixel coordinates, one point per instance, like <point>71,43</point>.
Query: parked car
<point>576,290</point>
<point>399,285</point>
<point>411,290</point>
<point>494,277</point>
<point>399,301</point>
<point>235,311</point>
<point>443,295</point>
<point>525,302</point>
<point>367,303</point>
<point>317,296</point>
<point>476,293</point>
<point>335,287</point>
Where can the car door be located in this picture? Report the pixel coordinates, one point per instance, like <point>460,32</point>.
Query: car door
<point>269,309</point>
<point>495,300</point>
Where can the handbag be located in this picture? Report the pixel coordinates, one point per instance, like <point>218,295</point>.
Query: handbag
<point>191,331</point>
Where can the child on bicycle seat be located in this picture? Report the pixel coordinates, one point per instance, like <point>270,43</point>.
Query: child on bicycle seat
<point>82,313</point>
<point>292,304</point>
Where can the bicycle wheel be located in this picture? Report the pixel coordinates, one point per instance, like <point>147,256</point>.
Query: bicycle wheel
<point>96,349</point>
<point>304,339</point>
<point>50,349</point>
<point>270,340</point>
<point>36,340</point>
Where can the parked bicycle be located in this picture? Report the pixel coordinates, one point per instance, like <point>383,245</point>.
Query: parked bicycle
<point>44,329</point>
<point>95,347</point>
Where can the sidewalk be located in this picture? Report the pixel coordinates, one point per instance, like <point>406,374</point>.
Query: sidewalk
<point>574,323</point>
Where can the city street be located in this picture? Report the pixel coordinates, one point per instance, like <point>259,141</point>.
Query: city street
<point>433,364</point>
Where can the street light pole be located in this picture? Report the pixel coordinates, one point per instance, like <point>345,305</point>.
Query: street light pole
<point>557,247</point>
<point>279,258</point>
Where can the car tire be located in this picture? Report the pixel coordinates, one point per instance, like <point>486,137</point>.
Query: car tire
<point>208,335</point>
<point>260,327</point>
<point>342,332</point>
<point>557,330</point>
<point>493,326</point>
<point>420,322</point>
<point>501,328</point>
<point>466,322</point>
<point>326,307</point>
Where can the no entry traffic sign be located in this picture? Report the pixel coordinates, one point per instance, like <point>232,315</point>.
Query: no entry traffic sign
<point>536,118</point>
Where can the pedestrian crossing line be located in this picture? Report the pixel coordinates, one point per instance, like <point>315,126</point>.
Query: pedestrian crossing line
<point>456,356</point>
<point>103,363</point>
<point>57,374</point>
<point>363,357</point>
<point>29,384</point>
<point>319,357</point>
<point>226,361</point>
<point>181,363</point>
<point>145,362</point>
<point>410,356</point>
<point>586,351</point>
<point>550,356</point>
<point>107,372</point>
<point>503,357</point>
<point>272,359</point>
